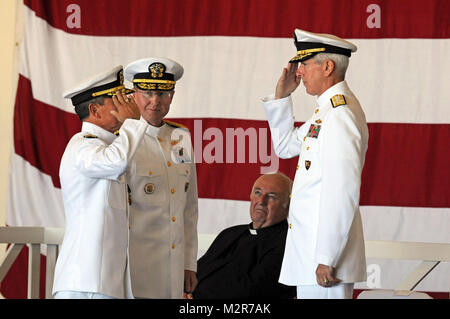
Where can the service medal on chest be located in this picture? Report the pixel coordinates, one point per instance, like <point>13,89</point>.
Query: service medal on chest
<point>307,165</point>
<point>313,131</point>
<point>149,188</point>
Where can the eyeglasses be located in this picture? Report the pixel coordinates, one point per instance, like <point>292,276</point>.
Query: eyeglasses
<point>160,94</point>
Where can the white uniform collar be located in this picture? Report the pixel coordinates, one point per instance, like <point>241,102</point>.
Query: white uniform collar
<point>338,88</point>
<point>96,130</point>
<point>153,130</point>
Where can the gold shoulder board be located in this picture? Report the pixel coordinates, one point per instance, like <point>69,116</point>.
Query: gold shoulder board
<point>175,124</point>
<point>338,100</point>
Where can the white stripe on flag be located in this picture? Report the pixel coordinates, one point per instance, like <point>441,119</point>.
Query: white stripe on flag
<point>32,199</point>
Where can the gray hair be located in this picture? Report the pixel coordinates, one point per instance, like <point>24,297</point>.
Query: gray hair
<point>340,62</point>
<point>82,109</point>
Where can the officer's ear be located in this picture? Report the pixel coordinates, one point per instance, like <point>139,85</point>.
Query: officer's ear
<point>93,110</point>
<point>328,67</point>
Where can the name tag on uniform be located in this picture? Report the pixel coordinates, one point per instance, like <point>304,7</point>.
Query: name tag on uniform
<point>313,131</point>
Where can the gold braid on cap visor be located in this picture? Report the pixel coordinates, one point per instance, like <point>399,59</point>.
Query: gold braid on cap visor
<point>111,91</point>
<point>304,53</point>
<point>150,84</point>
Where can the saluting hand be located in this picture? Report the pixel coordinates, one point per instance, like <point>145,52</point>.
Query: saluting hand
<point>126,107</point>
<point>288,81</point>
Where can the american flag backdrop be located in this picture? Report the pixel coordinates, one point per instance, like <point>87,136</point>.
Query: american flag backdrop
<point>233,53</point>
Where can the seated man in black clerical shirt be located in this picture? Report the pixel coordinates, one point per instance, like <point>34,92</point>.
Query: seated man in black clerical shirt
<point>244,261</point>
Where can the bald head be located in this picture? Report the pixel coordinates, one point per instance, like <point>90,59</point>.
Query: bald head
<point>270,199</point>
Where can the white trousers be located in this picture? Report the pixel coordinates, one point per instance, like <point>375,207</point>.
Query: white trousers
<point>69,294</point>
<point>339,291</point>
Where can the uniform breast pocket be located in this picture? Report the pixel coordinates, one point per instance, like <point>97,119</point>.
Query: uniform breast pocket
<point>183,176</point>
<point>117,197</point>
<point>149,187</point>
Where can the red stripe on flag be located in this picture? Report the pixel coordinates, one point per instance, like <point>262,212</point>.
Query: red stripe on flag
<point>269,18</point>
<point>41,131</point>
<point>406,164</point>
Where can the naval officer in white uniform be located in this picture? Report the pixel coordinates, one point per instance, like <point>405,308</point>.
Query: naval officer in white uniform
<point>163,187</point>
<point>93,259</point>
<point>324,253</point>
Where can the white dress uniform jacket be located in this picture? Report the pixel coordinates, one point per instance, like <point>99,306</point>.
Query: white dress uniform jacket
<point>93,254</point>
<point>325,221</point>
<point>163,213</point>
